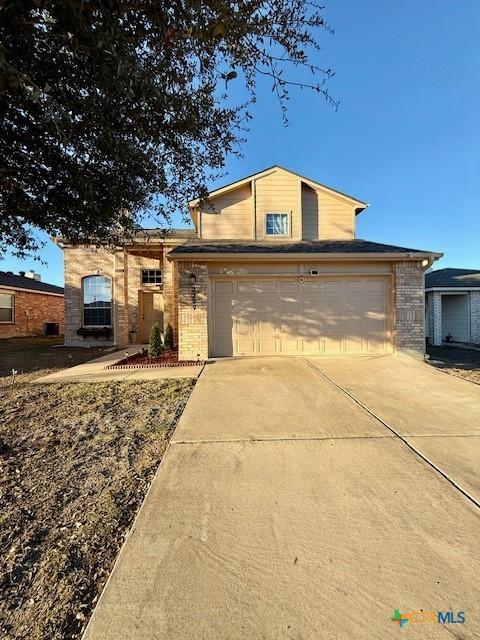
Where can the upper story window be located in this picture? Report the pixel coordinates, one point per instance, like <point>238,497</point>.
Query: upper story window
<point>6,307</point>
<point>277,224</point>
<point>97,301</point>
<point>151,276</point>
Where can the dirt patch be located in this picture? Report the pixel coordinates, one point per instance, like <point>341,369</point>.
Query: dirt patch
<point>463,363</point>
<point>75,463</point>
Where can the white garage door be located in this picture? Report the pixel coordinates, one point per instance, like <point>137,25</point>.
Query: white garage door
<point>276,316</point>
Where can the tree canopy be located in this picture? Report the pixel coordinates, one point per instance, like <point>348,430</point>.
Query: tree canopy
<point>109,109</point>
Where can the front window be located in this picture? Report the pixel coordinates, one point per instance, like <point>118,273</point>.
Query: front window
<point>97,301</point>
<point>151,276</point>
<point>276,224</point>
<point>6,307</point>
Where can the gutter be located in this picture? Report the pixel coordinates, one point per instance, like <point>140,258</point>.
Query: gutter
<point>153,243</point>
<point>303,257</point>
<point>38,292</point>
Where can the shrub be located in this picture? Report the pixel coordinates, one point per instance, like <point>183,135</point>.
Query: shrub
<point>155,346</point>
<point>168,340</point>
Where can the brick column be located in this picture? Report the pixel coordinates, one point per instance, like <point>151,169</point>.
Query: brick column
<point>120,303</point>
<point>437,318</point>
<point>475,317</point>
<point>192,322</point>
<point>73,296</point>
<point>409,308</point>
<point>170,294</point>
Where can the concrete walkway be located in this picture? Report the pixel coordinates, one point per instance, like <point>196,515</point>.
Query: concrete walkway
<point>95,371</point>
<point>283,509</point>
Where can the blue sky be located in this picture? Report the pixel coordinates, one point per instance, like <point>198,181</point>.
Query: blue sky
<point>405,138</point>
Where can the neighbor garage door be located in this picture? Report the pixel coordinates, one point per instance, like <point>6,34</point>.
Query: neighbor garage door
<point>275,316</point>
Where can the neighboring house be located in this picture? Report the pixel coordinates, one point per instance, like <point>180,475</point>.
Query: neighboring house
<point>272,267</point>
<point>453,306</point>
<point>29,307</point>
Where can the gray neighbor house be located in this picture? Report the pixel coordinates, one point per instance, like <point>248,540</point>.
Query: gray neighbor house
<point>452,306</point>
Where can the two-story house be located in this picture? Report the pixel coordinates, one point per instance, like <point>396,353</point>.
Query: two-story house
<point>272,267</point>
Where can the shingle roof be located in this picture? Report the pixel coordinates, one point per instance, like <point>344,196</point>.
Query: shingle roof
<point>145,234</point>
<point>21,282</point>
<point>451,278</point>
<point>167,233</point>
<point>276,247</point>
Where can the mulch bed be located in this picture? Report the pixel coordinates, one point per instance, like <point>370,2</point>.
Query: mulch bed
<point>142,360</point>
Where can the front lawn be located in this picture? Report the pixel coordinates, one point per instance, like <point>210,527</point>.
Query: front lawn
<point>75,463</point>
<point>33,357</point>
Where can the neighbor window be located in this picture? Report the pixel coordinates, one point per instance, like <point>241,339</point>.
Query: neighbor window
<point>151,276</point>
<point>276,224</point>
<point>97,301</point>
<point>6,307</point>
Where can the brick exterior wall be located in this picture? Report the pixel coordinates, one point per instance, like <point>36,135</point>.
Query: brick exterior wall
<point>192,323</point>
<point>170,293</point>
<point>409,308</point>
<point>475,317</point>
<point>32,310</point>
<point>133,282</point>
<point>125,272</point>
<point>429,316</point>
<point>436,305</point>
<point>78,263</point>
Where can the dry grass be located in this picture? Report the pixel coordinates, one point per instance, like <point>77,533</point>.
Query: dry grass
<point>75,463</point>
<point>33,357</point>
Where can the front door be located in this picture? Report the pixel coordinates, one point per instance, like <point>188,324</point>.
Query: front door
<point>150,311</point>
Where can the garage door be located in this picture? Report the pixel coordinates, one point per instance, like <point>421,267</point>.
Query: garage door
<point>276,316</point>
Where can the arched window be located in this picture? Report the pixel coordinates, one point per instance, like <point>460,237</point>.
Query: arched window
<point>97,301</point>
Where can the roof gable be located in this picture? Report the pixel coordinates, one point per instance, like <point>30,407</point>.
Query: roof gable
<point>361,205</point>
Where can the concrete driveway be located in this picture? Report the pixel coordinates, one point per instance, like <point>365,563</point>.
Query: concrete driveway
<point>437,413</point>
<point>285,509</point>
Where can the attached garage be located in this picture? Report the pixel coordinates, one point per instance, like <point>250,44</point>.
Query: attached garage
<point>332,297</point>
<point>299,315</point>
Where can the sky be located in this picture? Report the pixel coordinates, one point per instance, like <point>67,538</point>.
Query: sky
<point>405,139</point>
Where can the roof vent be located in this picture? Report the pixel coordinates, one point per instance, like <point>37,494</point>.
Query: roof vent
<point>21,273</point>
<point>33,276</point>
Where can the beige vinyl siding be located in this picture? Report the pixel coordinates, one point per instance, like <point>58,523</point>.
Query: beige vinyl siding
<point>278,192</point>
<point>314,213</point>
<point>231,217</point>
<point>310,213</point>
<point>336,218</point>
